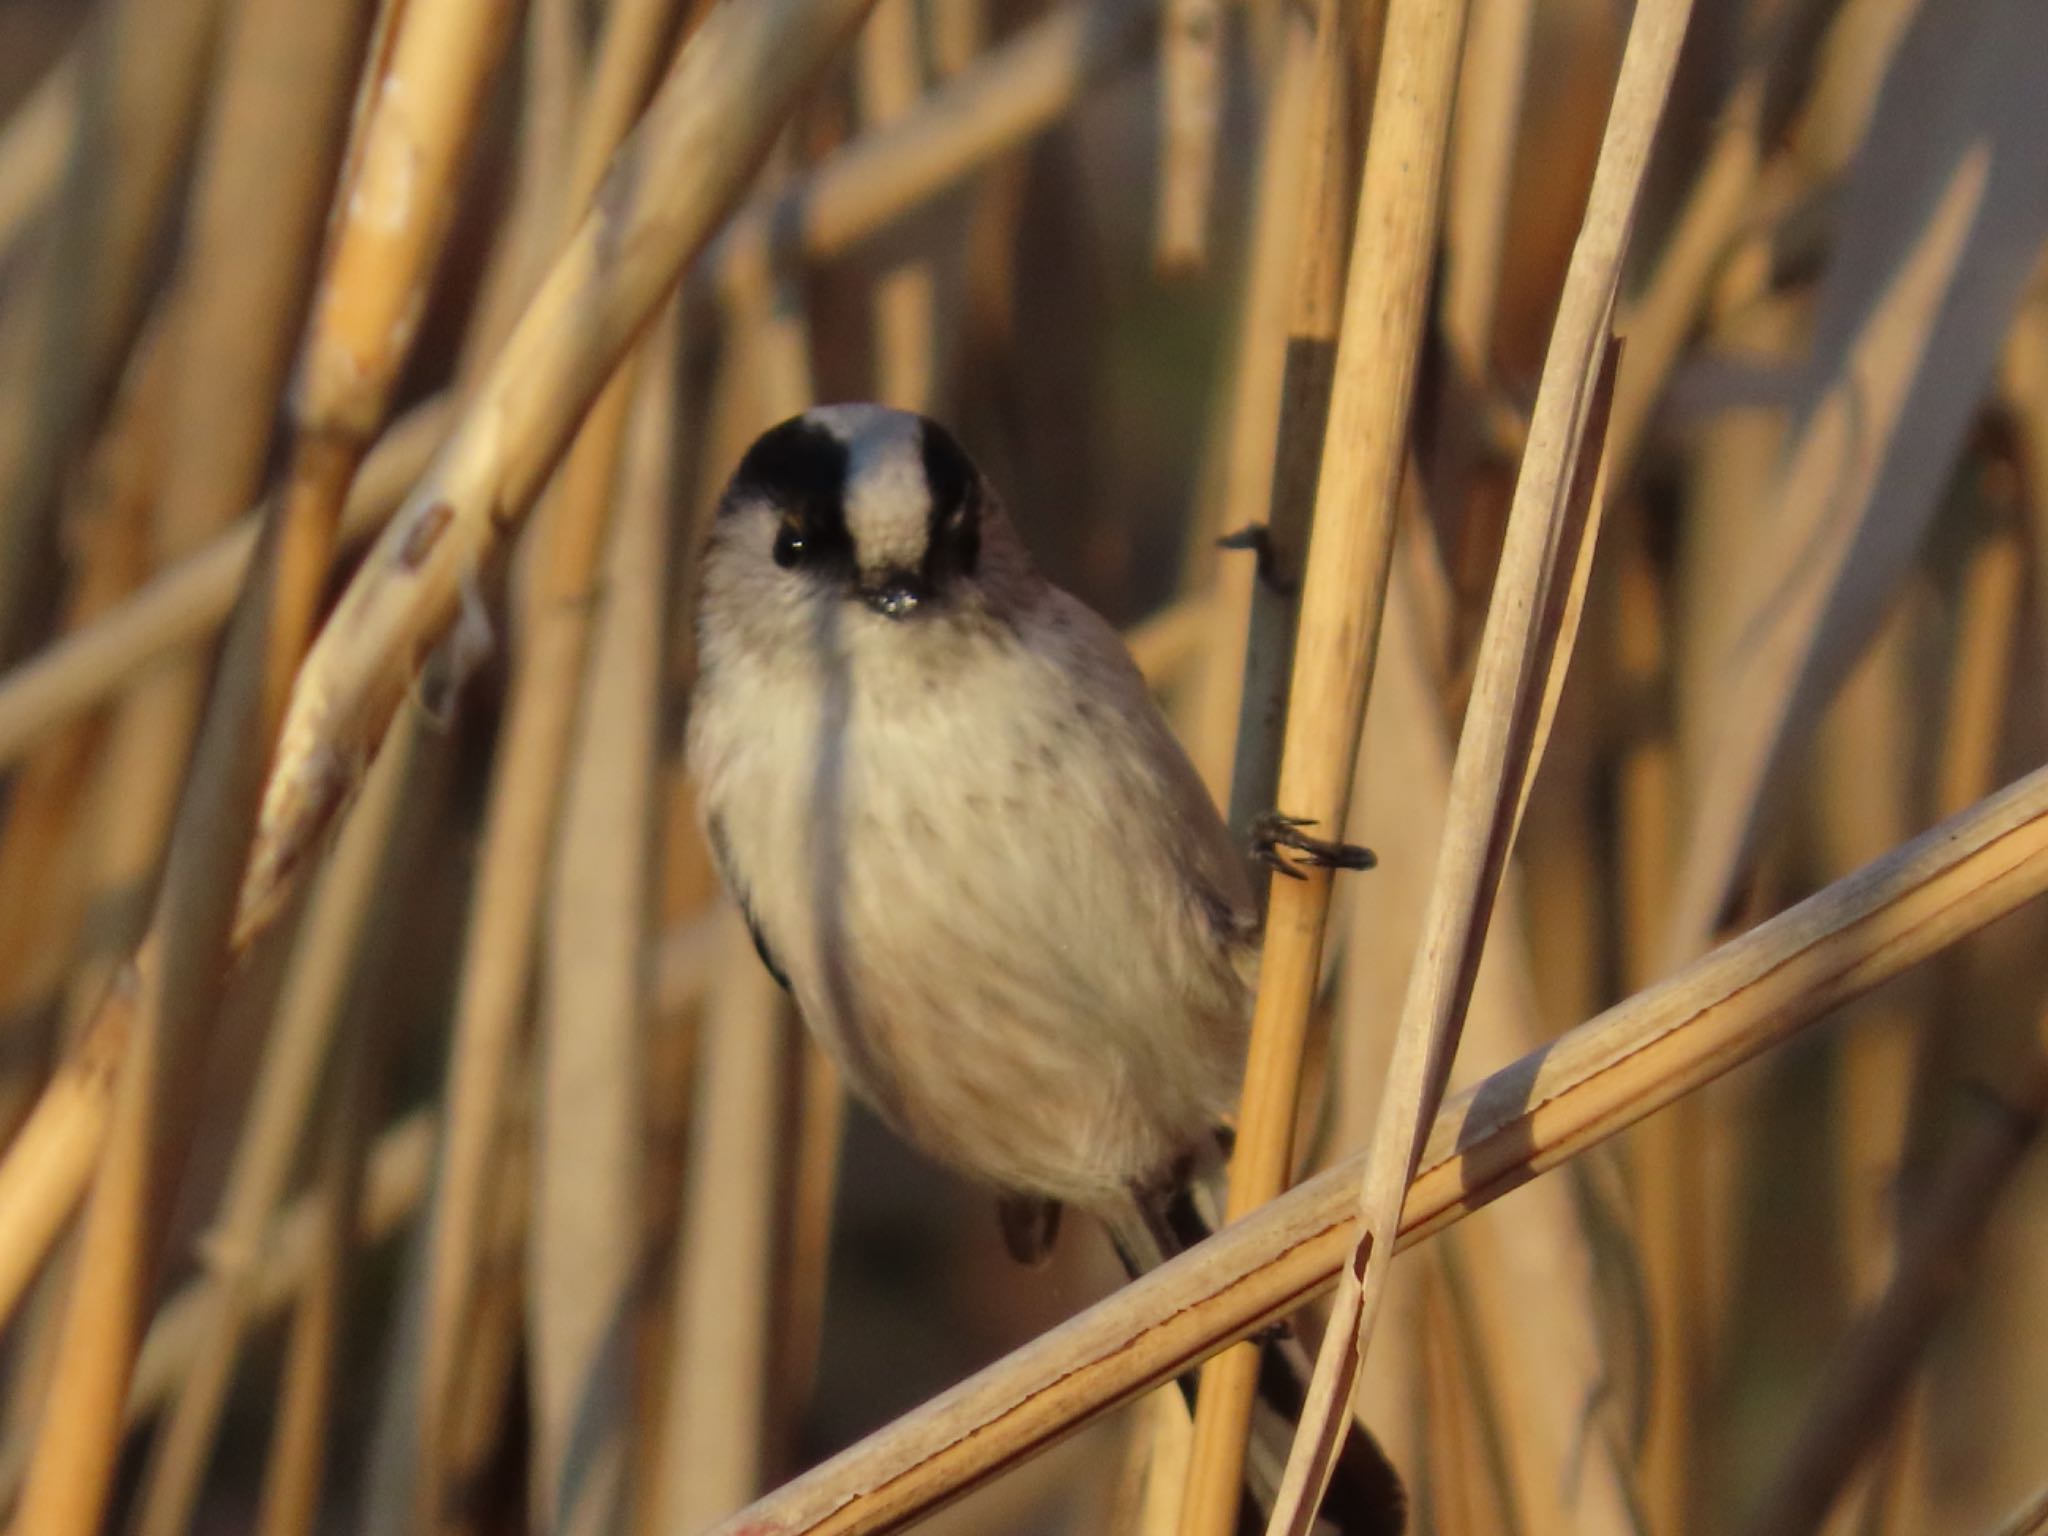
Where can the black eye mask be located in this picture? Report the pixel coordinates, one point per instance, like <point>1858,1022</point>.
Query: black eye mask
<point>800,469</point>
<point>953,537</point>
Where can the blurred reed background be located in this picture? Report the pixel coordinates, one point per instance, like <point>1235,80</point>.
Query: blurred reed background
<point>417,1145</point>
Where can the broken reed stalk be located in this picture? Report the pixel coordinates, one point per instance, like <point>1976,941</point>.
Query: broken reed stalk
<point>685,164</point>
<point>1734,1004</point>
<point>1874,1364</point>
<point>1350,548</point>
<point>1530,627</point>
<point>394,203</point>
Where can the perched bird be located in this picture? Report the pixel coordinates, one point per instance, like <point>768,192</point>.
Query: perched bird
<point>962,834</point>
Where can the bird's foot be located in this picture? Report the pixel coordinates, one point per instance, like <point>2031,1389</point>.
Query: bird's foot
<point>1030,1227</point>
<point>1254,537</point>
<point>1273,831</point>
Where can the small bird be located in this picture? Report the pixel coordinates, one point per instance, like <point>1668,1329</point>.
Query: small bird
<point>962,834</point>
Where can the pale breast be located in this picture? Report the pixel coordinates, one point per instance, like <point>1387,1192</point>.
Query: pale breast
<point>981,907</point>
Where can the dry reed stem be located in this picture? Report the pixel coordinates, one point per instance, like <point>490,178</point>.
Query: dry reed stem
<point>1257,386</point>
<point>558,592</point>
<point>1659,321</point>
<point>1350,547</point>
<point>2030,1519</point>
<point>264,165</point>
<point>1751,994</point>
<point>185,604</point>
<point>142,65</point>
<point>393,208</point>
<point>1936,225</point>
<point>712,1439</point>
<point>1873,1366</point>
<point>584,1253</point>
<point>1665,1176</point>
<point>498,948</point>
<point>1467,1488</point>
<point>1483,133</point>
<point>44,888</point>
<point>281,1111</point>
<point>1015,92</point>
<point>1190,118</point>
<point>1549,1365</point>
<point>887,72</point>
<point>290,1500</point>
<point>289,1503</point>
<point>1981,669</point>
<point>34,144</point>
<point>1848,72</point>
<point>1328,189</point>
<point>394,1184</point>
<point>1530,626</point>
<point>703,135</point>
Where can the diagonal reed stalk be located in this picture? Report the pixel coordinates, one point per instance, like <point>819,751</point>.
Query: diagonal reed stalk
<point>1639,1056</point>
<point>681,169</point>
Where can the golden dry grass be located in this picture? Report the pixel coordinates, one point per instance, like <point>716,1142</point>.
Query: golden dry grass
<point>363,982</point>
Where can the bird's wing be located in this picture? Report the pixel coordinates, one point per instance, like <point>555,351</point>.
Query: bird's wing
<point>722,856</point>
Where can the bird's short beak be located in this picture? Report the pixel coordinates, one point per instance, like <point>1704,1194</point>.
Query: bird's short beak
<point>894,594</point>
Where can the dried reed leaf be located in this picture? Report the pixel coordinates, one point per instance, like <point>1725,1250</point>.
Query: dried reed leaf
<point>1350,548</point>
<point>1522,654</point>
<point>1322,245</point>
<point>1737,1002</point>
<point>1547,1363</point>
<point>1943,223</point>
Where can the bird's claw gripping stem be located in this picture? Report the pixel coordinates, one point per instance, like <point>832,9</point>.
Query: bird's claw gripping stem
<point>1273,831</point>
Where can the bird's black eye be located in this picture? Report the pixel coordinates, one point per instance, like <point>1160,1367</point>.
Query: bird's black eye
<point>789,544</point>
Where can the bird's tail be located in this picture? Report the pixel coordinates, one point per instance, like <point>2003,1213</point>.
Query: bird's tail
<point>1366,1496</point>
